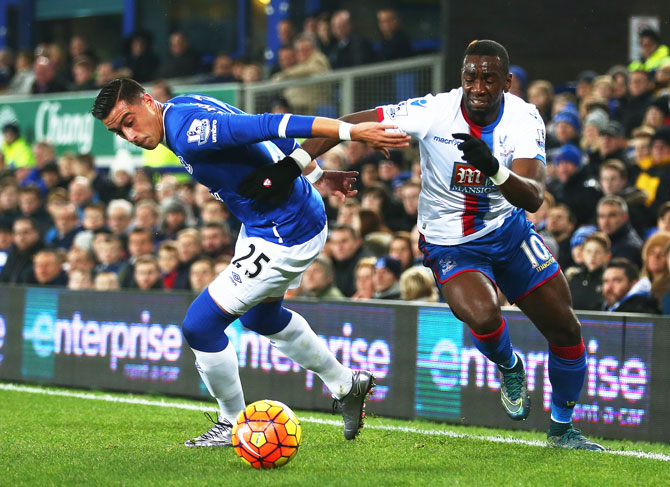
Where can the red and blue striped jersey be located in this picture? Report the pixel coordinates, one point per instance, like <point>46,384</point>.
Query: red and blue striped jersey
<point>458,203</point>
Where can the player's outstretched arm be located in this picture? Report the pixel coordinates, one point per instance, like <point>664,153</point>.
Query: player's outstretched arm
<point>272,183</point>
<point>317,146</point>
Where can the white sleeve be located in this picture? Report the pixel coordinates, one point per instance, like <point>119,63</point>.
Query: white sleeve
<point>413,116</point>
<point>530,135</point>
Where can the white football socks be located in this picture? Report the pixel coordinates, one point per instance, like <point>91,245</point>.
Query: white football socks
<point>299,343</point>
<point>220,373</point>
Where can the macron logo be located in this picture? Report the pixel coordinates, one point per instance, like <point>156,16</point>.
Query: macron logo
<point>443,140</point>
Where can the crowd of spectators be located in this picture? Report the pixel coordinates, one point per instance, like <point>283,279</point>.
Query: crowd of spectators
<point>605,217</point>
<point>327,41</point>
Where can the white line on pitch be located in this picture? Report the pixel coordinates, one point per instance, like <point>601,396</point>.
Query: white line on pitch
<point>404,429</point>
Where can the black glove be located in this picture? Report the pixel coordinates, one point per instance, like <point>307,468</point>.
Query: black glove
<point>478,154</point>
<point>271,183</point>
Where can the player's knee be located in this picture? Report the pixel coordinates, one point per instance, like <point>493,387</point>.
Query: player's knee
<point>267,318</point>
<point>484,320</point>
<point>568,332</point>
<point>204,326</point>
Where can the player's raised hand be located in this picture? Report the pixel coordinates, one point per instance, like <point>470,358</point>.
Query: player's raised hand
<point>338,183</point>
<point>380,135</point>
<point>271,183</point>
<point>477,153</point>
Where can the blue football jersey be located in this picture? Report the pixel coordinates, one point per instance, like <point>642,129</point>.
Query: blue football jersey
<point>219,145</point>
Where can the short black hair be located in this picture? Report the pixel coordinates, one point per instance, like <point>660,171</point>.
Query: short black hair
<point>488,48</point>
<point>127,90</point>
<point>629,268</point>
<point>651,33</point>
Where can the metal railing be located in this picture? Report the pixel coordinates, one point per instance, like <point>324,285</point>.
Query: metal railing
<point>349,90</point>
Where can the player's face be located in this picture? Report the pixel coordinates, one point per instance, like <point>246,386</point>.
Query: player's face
<point>484,81</point>
<point>141,123</point>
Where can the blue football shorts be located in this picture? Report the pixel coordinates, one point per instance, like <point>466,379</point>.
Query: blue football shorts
<point>514,257</point>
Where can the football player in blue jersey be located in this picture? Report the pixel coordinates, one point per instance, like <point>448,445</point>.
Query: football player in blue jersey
<point>219,145</point>
<point>482,166</point>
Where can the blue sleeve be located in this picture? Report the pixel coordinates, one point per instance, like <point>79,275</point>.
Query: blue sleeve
<point>210,130</point>
<point>286,145</point>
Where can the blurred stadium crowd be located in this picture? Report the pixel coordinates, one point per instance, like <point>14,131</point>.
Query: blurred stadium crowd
<point>606,215</point>
<point>326,42</point>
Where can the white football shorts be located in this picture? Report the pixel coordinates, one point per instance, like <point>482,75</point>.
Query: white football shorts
<point>261,269</point>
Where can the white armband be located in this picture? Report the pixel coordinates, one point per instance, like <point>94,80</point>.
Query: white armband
<point>501,176</point>
<point>315,175</point>
<point>301,157</point>
<point>345,130</point>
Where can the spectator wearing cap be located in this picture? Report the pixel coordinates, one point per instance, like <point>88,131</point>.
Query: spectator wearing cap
<point>614,181</point>
<point>612,144</point>
<point>624,292</point>
<point>386,278</point>
<point>654,178</point>
<point>641,90</point>
<point>658,112</point>
<point>586,283</point>
<point>318,281</point>
<point>613,219</point>
<point>576,246</point>
<point>594,122</point>
<point>519,81</point>
<point>566,128</point>
<point>15,150</point>
<point>584,85</point>
<point>652,52</point>
<point>573,186</point>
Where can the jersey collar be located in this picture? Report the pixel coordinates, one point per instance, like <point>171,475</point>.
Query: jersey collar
<point>478,129</point>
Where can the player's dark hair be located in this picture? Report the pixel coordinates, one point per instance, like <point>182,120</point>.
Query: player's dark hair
<point>127,90</point>
<point>489,48</point>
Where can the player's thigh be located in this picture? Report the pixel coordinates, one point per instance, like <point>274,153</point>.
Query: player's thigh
<point>464,275</point>
<point>524,263</point>
<point>260,270</point>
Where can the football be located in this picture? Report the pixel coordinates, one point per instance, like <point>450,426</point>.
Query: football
<point>267,434</point>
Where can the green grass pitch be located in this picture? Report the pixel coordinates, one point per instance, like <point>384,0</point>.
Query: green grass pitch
<point>62,437</point>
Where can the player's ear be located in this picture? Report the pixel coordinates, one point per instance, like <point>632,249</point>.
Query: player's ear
<point>147,99</point>
<point>508,82</point>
